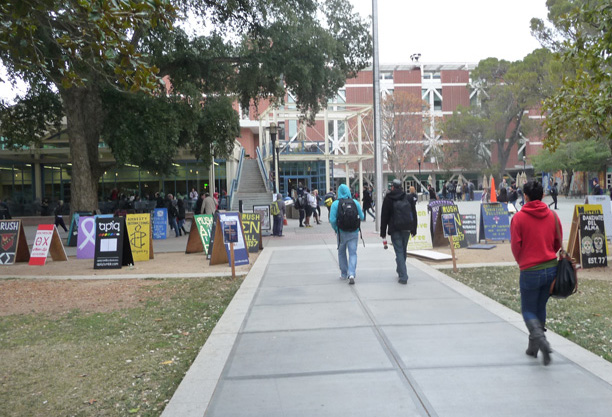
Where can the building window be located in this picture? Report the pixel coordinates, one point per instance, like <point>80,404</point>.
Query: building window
<point>386,75</point>
<point>437,99</point>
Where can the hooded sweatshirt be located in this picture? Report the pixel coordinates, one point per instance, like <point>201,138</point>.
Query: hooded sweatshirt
<point>534,235</point>
<point>387,212</point>
<point>343,192</point>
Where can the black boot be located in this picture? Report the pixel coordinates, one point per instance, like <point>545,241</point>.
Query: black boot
<point>532,348</point>
<point>536,332</point>
<point>184,231</point>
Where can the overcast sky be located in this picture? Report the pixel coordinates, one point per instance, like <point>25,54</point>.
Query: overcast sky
<point>454,30</point>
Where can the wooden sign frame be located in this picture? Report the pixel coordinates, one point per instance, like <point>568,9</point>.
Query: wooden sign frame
<point>219,253</point>
<point>55,248</point>
<point>195,241</point>
<point>22,251</point>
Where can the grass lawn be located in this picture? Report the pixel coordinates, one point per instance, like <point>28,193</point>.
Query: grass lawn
<point>584,318</point>
<point>123,362</point>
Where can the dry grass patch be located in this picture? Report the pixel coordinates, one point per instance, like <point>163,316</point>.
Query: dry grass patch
<point>123,361</point>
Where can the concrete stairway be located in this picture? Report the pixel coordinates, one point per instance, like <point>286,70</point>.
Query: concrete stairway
<point>252,189</point>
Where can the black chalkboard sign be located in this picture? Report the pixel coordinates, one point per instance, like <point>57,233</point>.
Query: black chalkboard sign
<point>113,248</point>
<point>593,245</point>
<point>470,229</point>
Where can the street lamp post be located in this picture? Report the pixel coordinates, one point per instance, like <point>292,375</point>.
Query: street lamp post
<point>273,130</point>
<point>524,160</point>
<point>419,162</point>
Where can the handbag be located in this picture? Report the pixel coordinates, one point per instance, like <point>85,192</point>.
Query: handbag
<point>566,281</point>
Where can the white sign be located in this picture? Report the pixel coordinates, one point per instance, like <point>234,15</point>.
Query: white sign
<point>422,240</point>
<point>42,242</point>
<point>606,207</point>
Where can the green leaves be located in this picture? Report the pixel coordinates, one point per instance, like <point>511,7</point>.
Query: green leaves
<point>582,106</point>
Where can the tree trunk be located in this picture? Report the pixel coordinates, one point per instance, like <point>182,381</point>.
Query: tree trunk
<point>84,121</point>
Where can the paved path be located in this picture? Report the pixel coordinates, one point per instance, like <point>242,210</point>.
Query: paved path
<point>298,341</point>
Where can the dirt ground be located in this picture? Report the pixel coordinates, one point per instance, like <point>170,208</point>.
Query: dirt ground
<point>52,296</point>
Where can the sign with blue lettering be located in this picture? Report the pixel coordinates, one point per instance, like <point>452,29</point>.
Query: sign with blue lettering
<point>160,223</point>
<point>494,222</point>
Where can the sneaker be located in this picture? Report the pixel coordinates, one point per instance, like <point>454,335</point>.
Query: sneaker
<point>351,280</point>
<point>342,278</point>
<point>301,225</point>
<point>403,281</point>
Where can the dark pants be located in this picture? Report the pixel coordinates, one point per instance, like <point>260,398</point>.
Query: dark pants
<point>400,243</point>
<point>277,228</point>
<point>302,215</point>
<point>59,221</point>
<point>554,197</point>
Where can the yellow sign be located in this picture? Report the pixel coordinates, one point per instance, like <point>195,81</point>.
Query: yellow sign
<point>251,223</point>
<point>139,233</point>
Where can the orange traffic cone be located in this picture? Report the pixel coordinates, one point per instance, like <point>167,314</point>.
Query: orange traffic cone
<point>493,197</point>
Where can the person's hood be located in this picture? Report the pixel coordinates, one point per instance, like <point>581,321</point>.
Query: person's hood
<point>536,208</point>
<point>395,194</point>
<point>344,191</point>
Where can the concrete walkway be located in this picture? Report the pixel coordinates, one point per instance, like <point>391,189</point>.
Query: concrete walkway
<point>298,341</point>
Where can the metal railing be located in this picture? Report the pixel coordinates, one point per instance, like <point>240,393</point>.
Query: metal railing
<point>262,170</point>
<point>235,181</point>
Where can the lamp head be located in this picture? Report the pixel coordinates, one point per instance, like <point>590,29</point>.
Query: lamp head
<point>273,128</point>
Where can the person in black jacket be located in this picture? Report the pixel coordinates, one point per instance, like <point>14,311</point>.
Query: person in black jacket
<point>180,207</point>
<point>389,225</point>
<point>554,192</point>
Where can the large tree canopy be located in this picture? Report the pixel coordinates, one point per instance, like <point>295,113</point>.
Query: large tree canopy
<point>507,91</point>
<point>582,34</point>
<point>105,59</point>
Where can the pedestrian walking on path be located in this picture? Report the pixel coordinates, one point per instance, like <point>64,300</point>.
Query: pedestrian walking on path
<point>345,217</point>
<point>399,219</point>
<point>535,243</point>
<point>554,192</point>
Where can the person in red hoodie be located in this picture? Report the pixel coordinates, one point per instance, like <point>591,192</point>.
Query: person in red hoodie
<point>535,243</point>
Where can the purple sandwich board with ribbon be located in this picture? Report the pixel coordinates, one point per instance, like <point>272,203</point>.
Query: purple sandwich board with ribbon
<point>86,238</point>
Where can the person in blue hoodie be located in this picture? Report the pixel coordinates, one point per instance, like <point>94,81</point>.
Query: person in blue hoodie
<point>347,230</point>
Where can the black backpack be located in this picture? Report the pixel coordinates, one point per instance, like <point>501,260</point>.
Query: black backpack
<point>301,201</point>
<point>402,214</point>
<point>348,215</point>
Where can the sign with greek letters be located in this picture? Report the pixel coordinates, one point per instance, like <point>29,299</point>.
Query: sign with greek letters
<point>13,244</point>
<point>47,240</point>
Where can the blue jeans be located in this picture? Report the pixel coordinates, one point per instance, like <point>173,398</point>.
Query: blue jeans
<point>277,228</point>
<point>400,242</point>
<point>348,240</point>
<point>535,291</point>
